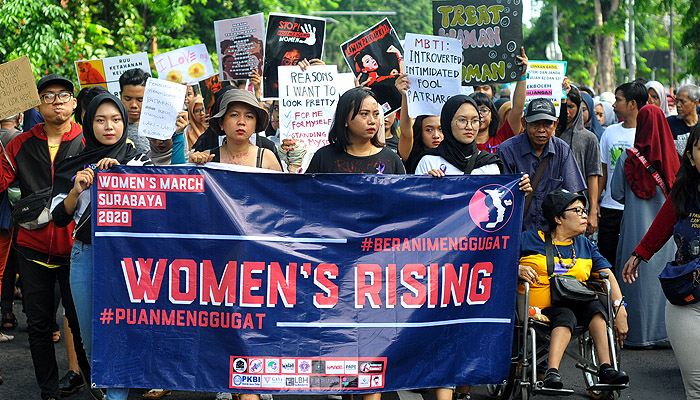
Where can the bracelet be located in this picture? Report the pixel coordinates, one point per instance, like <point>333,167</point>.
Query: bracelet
<point>619,302</point>
<point>523,77</point>
<point>634,254</point>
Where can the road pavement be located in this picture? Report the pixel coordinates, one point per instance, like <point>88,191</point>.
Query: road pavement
<point>654,375</point>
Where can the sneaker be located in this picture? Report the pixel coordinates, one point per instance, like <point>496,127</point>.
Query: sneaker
<point>609,375</point>
<point>266,396</point>
<point>552,379</point>
<point>224,396</point>
<point>71,383</point>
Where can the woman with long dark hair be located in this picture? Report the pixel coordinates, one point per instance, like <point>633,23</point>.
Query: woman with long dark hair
<point>354,143</point>
<point>677,219</point>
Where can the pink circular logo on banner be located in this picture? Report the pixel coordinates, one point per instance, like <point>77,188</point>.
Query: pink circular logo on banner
<point>491,207</point>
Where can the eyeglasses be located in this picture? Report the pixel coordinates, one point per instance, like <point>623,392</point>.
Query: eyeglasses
<point>483,111</point>
<point>63,97</point>
<point>198,111</point>
<point>463,122</point>
<point>580,211</point>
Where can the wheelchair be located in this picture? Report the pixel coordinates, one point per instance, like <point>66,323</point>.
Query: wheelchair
<point>531,348</point>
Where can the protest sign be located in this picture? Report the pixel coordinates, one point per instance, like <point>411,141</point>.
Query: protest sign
<point>290,39</point>
<point>375,56</point>
<point>17,87</point>
<point>544,80</point>
<point>491,33</point>
<point>208,87</point>
<point>105,72</point>
<point>307,103</point>
<point>302,283</point>
<point>185,65</point>
<point>162,100</point>
<point>434,68</point>
<point>240,46</point>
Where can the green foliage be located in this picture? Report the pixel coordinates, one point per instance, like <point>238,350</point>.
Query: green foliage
<point>54,34</point>
<point>577,34</point>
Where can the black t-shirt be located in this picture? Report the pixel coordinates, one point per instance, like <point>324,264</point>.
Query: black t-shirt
<point>393,143</point>
<point>332,159</point>
<point>678,126</point>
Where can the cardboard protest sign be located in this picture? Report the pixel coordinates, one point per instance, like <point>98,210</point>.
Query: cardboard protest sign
<point>162,101</point>
<point>17,87</point>
<point>434,68</point>
<point>105,72</point>
<point>185,65</point>
<point>208,87</point>
<point>239,43</point>
<point>307,103</point>
<point>375,56</point>
<point>290,39</point>
<point>544,79</point>
<point>491,33</point>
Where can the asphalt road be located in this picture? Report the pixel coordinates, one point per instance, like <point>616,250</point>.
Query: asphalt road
<point>654,375</point>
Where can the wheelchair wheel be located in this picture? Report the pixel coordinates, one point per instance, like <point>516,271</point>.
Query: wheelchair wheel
<point>586,349</point>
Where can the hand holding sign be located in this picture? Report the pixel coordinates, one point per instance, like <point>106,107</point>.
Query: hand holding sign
<point>162,104</point>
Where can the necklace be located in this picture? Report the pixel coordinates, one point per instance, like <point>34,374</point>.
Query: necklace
<point>561,259</point>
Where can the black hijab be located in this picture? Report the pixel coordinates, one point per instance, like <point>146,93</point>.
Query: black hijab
<point>94,150</point>
<point>457,153</point>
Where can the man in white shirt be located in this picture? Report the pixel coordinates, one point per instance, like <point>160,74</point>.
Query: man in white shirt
<point>629,98</point>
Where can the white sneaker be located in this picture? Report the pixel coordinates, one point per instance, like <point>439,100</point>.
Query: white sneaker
<point>224,396</point>
<point>5,338</point>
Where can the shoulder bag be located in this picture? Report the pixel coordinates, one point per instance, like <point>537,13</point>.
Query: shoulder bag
<point>564,289</point>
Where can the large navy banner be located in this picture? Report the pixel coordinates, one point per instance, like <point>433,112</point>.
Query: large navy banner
<point>215,280</point>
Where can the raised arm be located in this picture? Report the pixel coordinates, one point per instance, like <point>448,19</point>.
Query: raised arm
<point>519,95</point>
<point>406,138</point>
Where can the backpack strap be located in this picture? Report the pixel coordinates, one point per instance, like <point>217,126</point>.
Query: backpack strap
<point>259,158</point>
<point>549,251</point>
<point>535,181</point>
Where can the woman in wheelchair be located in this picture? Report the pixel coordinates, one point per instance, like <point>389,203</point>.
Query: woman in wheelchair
<point>576,256</point>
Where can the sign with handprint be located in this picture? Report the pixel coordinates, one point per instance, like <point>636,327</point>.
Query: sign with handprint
<point>290,39</point>
<point>375,56</point>
<point>490,32</point>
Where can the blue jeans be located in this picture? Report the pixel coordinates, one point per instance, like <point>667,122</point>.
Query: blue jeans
<point>81,272</point>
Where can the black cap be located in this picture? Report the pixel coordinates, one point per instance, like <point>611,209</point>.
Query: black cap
<point>557,200</point>
<point>540,109</point>
<point>51,79</point>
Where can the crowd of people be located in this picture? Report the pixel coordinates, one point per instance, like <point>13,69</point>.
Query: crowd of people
<point>606,167</point>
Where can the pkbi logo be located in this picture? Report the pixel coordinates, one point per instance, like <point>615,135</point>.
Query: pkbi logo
<point>245,381</point>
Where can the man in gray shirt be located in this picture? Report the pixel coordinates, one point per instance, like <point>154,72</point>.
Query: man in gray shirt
<point>132,84</point>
